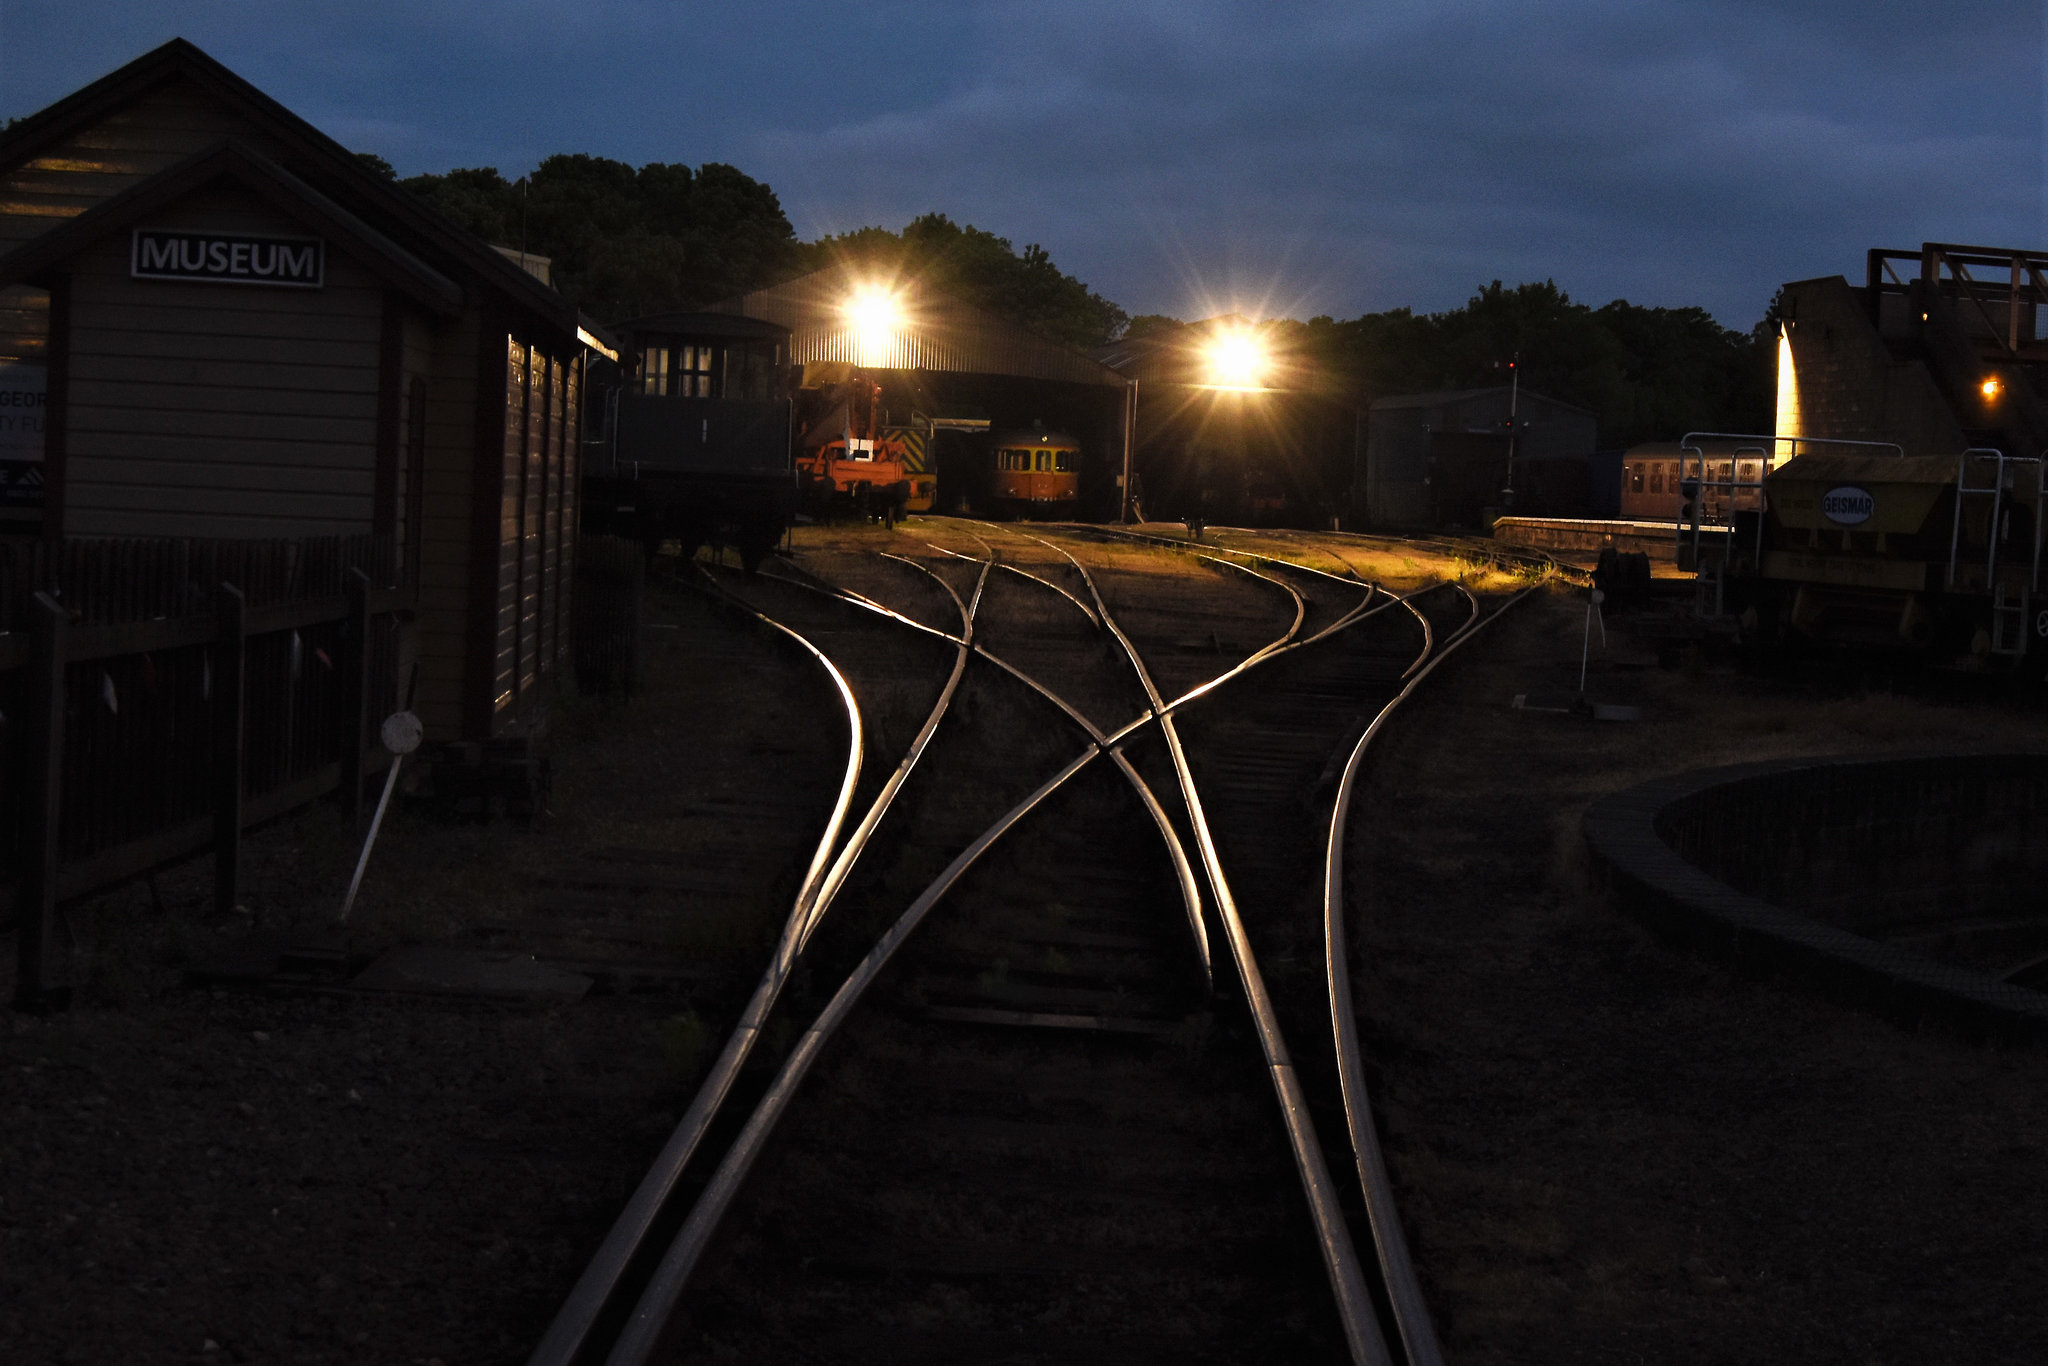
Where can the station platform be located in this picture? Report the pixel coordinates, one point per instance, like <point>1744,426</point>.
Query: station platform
<point>1579,540</point>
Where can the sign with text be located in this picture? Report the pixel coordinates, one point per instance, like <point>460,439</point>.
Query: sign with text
<point>227,258</point>
<point>24,398</point>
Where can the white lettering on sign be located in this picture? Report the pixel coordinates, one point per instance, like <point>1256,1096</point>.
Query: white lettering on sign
<point>227,258</point>
<point>1847,505</point>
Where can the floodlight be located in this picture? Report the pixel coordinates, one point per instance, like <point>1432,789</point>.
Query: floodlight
<point>1236,359</point>
<point>876,315</point>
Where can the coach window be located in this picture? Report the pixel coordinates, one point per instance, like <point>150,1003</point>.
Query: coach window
<point>1045,462</point>
<point>654,369</point>
<point>749,371</point>
<point>693,372</point>
<point>1656,480</point>
<point>1635,478</point>
<point>1063,462</point>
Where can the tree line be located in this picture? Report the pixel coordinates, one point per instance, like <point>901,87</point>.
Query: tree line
<point>627,242</point>
<point>630,241</point>
<point>1648,374</point>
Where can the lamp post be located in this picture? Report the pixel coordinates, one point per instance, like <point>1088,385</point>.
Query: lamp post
<point>1507,492</point>
<point>1130,440</point>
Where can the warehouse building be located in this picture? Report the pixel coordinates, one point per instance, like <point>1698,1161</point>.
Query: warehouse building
<point>950,374</point>
<point>1441,459</point>
<point>1236,421</point>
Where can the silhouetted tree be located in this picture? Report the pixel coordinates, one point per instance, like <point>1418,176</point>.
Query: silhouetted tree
<point>976,265</point>
<point>1648,373</point>
<point>626,242</point>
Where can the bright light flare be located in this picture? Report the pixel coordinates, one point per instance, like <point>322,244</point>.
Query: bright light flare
<point>876,315</point>
<point>1990,387</point>
<point>1236,359</point>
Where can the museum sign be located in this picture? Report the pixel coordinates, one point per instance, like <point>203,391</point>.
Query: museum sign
<point>225,258</point>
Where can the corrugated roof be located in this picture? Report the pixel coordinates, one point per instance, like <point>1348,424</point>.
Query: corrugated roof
<point>936,331</point>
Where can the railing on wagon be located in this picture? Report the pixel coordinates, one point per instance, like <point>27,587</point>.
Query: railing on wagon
<point>162,696</point>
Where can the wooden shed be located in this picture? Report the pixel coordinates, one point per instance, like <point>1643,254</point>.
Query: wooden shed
<point>241,330</point>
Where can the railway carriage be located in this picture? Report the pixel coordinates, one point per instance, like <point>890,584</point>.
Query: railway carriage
<point>1651,474</point>
<point>692,440</point>
<point>1035,474</point>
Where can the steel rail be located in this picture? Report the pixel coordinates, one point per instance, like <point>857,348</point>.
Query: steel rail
<point>1350,619</point>
<point>1369,587</point>
<point>1397,1267</point>
<point>657,1302</point>
<point>1300,603</point>
<point>1083,607</point>
<point>1184,874</point>
<point>856,843</point>
<point>599,1283</point>
<point>659,1297</point>
<point>1333,1234</point>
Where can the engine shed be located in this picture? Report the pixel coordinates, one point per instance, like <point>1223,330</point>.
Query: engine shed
<point>1236,421</point>
<point>237,329</point>
<point>950,373</point>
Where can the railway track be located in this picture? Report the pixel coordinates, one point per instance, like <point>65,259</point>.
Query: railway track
<point>1044,1125</point>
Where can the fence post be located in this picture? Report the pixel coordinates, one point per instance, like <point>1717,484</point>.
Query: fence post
<point>230,653</point>
<point>355,692</point>
<point>39,984</point>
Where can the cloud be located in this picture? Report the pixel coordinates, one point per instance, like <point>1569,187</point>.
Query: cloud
<point>1320,156</point>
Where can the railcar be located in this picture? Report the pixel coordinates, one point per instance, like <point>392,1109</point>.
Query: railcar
<point>1732,477</point>
<point>1861,543</point>
<point>690,437</point>
<point>1034,473</point>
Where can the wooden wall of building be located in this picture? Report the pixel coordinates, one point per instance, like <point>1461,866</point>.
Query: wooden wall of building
<point>225,410</point>
<point>446,521</point>
<point>129,145</point>
<point>202,409</point>
<point>535,498</point>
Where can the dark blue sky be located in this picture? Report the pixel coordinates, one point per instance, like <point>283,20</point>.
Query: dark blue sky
<point>1289,157</point>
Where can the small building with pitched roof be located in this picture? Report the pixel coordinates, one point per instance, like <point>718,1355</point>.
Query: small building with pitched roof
<point>241,330</point>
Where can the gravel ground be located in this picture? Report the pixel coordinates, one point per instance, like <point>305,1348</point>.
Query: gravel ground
<point>1611,1152</point>
<point>228,1176</point>
<point>1607,1150</point>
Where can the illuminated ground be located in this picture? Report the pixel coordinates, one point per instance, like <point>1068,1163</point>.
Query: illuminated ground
<point>1606,1151</point>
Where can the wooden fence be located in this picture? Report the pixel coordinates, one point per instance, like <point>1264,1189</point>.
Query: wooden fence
<point>154,707</point>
